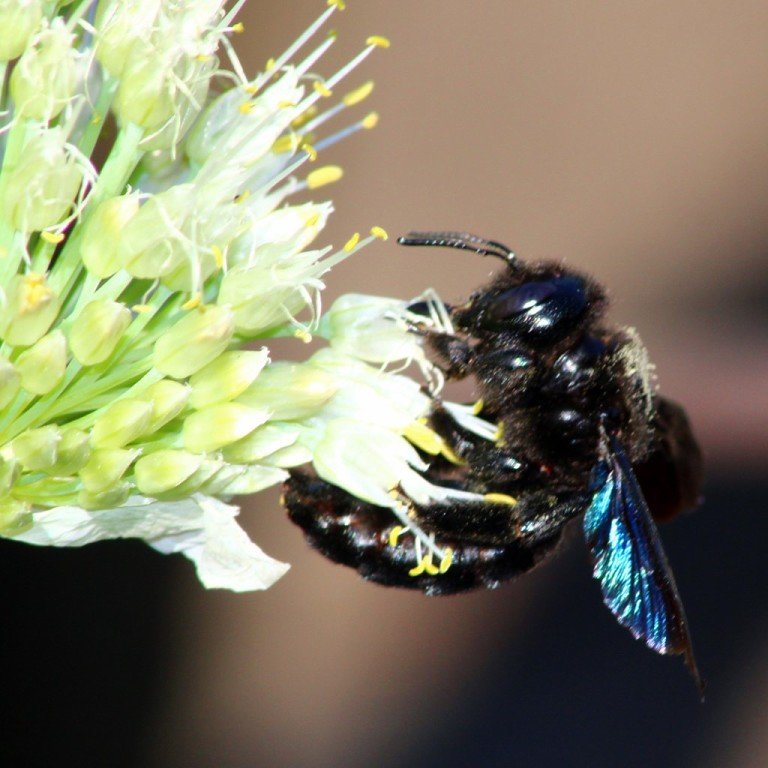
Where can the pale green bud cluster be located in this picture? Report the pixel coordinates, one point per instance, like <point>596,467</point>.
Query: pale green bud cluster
<point>129,402</point>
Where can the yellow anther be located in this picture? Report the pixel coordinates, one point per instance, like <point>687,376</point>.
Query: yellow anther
<point>286,144</point>
<point>500,498</point>
<point>477,408</point>
<point>193,302</point>
<point>360,93</point>
<point>238,27</point>
<point>243,196</point>
<point>203,57</point>
<point>304,117</point>
<point>379,233</point>
<point>325,175</point>
<point>270,65</point>
<point>34,278</point>
<point>339,5</point>
<point>286,104</point>
<point>218,256</point>
<point>498,435</point>
<point>449,454</point>
<point>97,118</point>
<point>310,150</point>
<point>419,569</point>
<point>52,237</point>
<point>251,89</point>
<point>394,535</point>
<point>312,220</point>
<point>447,560</point>
<point>303,335</point>
<point>352,242</point>
<point>424,438</point>
<point>141,309</point>
<point>370,120</point>
<point>246,107</point>
<point>332,34</point>
<point>378,41</point>
<point>430,567</point>
<point>322,89</point>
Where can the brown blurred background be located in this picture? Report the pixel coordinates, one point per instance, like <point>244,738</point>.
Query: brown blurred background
<point>632,140</point>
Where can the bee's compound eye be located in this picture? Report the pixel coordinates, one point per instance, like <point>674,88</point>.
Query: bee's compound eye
<point>539,311</point>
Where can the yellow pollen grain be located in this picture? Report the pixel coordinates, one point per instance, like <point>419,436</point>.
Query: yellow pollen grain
<point>352,242</point>
<point>192,303</point>
<point>251,89</point>
<point>371,120</point>
<point>478,407</point>
<point>246,107</point>
<point>286,104</point>
<point>418,570</point>
<point>310,150</point>
<point>312,220</point>
<point>141,309</point>
<point>358,94</point>
<point>379,41</point>
<point>218,256</point>
<point>447,560</point>
<point>203,57</point>
<point>303,335</point>
<point>97,118</point>
<point>339,5</point>
<point>304,117</point>
<point>394,535</point>
<point>238,28</point>
<point>430,567</point>
<point>325,175</point>
<point>270,65</point>
<point>322,89</point>
<point>379,233</point>
<point>52,237</point>
<point>500,498</point>
<point>243,196</point>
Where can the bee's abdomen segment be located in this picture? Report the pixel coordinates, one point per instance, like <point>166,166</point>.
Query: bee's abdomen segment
<point>357,534</point>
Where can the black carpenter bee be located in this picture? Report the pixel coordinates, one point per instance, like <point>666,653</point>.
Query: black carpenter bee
<point>580,433</point>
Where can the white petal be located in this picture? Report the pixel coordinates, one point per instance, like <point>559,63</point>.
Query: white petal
<point>202,528</point>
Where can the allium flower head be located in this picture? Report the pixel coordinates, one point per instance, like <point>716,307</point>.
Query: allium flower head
<point>130,405</point>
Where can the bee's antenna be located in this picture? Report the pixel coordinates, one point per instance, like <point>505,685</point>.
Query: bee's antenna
<point>462,240</point>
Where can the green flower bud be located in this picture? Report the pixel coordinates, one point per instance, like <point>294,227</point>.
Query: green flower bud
<point>105,468</point>
<point>37,449</point>
<point>73,453</point>
<point>219,425</point>
<point>162,471</point>
<point>10,469</point>
<point>19,20</point>
<point>122,423</point>
<point>40,190</point>
<point>121,24</point>
<point>45,77</point>
<point>30,308</point>
<point>115,496</point>
<point>10,382</point>
<point>228,376</point>
<point>168,399</point>
<point>261,442</point>
<point>290,391</point>
<point>15,516</point>
<point>43,365</point>
<point>97,330</point>
<point>194,341</point>
<point>102,234</point>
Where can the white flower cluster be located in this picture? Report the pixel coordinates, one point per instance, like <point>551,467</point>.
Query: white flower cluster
<point>129,403</point>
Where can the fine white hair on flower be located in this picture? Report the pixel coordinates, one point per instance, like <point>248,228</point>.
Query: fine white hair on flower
<point>158,212</point>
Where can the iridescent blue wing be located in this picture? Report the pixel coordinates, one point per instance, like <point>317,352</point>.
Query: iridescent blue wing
<point>629,561</point>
